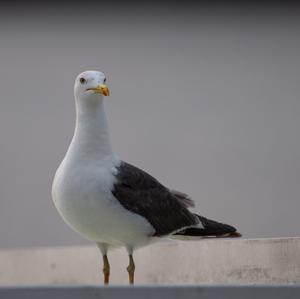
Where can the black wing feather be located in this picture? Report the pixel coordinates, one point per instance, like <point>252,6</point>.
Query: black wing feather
<point>140,193</point>
<point>210,228</point>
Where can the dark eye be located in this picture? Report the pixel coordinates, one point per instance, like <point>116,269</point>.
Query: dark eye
<point>104,80</point>
<point>82,80</point>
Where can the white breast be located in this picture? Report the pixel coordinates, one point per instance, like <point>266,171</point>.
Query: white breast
<point>82,195</point>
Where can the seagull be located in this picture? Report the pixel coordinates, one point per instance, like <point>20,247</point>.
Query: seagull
<point>114,203</point>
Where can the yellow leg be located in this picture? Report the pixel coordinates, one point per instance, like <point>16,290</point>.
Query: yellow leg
<point>106,269</point>
<point>130,269</point>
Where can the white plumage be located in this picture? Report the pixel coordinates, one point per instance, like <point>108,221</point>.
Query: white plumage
<point>84,180</point>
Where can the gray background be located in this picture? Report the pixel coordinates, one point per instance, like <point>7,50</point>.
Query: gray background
<point>205,98</point>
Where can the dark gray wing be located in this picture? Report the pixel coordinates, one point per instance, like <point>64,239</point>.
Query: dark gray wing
<point>140,193</point>
<point>184,198</point>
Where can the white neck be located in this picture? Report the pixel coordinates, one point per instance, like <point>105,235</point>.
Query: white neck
<point>91,138</point>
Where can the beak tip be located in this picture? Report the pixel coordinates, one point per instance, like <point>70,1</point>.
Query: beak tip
<point>105,90</point>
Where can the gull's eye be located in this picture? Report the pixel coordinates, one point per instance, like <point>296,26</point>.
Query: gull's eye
<point>104,80</point>
<point>82,80</point>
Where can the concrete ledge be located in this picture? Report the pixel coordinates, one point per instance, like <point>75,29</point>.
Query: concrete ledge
<point>192,292</point>
<point>221,261</point>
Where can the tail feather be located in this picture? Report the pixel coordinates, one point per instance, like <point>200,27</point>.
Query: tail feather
<point>209,228</point>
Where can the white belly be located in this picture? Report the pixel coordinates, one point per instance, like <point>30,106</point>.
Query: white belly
<point>82,195</point>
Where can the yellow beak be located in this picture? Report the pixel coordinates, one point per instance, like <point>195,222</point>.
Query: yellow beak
<point>102,88</point>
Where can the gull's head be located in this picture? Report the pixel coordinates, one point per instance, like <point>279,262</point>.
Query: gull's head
<point>90,86</point>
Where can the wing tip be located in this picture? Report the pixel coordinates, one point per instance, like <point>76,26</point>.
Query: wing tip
<point>230,235</point>
<point>235,235</point>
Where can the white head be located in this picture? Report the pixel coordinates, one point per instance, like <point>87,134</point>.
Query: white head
<point>90,87</point>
